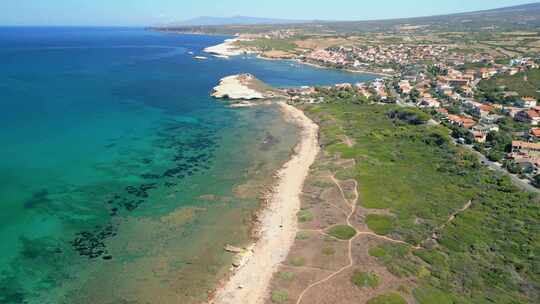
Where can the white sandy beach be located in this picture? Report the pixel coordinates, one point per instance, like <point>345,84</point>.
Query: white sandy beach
<point>278,227</point>
<point>225,49</point>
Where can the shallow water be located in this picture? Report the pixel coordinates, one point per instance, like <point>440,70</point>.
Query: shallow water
<point>121,179</point>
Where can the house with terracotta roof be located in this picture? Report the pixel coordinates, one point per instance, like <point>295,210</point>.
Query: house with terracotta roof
<point>461,121</point>
<point>512,111</point>
<point>405,87</point>
<point>443,112</point>
<point>523,149</point>
<point>534,133</point>
<point>479,137</point>
<point>343,86</point>
<point>428,102</point>
<point>483,73</point>
<point>482,110</point>
<point>529,116</point>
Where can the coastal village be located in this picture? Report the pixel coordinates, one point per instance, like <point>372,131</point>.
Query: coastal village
<point>487,101</point>
<point>446,113</point>
<point>501,124</point>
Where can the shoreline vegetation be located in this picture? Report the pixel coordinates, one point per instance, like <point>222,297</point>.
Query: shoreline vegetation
<point>255,265</point>
<point>333,230</point>
<point>425,239</point>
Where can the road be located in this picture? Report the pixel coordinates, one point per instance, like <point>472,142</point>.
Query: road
<point>524,185</point>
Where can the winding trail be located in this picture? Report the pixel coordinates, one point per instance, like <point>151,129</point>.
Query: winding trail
<point>352,204</point>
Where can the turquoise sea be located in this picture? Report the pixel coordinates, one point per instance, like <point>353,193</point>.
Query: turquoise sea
<point>120,178</point>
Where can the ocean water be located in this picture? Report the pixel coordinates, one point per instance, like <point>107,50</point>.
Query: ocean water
<point>120,178</point>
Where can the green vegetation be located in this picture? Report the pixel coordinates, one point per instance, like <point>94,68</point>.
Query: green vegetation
<point>428,295</point>
<point>516,83</point>
<point>298,261</point>
<point>392,298</point>
<point>264,44</point>
<point>416,160</point>
<point>280,296</point>
<point>286,275</point>
<point>365,279</point>
<point>328,251</point>
<point>305,216</point>
<point>377,252</point>
<point>380,224</point>
<point>399,261</point>
<point>302,235</point>
<point>412,116</point>
<point>342,232</point>
<point>489,253</point>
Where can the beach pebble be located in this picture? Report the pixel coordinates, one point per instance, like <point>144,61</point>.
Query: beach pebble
<point>232,249</point>
<point>237,263</point>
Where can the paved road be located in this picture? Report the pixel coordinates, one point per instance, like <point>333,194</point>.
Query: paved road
<point>525,185</point>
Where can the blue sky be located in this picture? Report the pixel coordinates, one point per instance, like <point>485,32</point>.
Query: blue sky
<point>151,12</point>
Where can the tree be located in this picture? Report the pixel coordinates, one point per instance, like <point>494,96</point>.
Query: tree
<point>512,167</point>
<point>415,95</point>
<point>536,181</point>
<point>495,156</point>
<point>500,141</point>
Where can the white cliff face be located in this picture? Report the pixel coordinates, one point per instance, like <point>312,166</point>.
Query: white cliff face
<point>236,87</point>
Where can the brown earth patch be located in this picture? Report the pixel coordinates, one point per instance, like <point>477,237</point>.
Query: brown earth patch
<point>323,265</point>
<point>315,254</point>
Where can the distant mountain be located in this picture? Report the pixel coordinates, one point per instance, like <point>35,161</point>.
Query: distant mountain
<point>516,8</point>
<point>236,20</point>
<point>520,17</point>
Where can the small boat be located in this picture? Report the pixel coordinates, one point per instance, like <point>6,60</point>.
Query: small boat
<point>200,58</point>
<point>190,52</point>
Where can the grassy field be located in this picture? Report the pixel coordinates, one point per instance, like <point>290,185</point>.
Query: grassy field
<point>365,279</point>
<point>393,298</point>
<point>263,44</point>
<point>516,83</point>
<point>380,224</point>
<point>342,232</point>
<point>490,253</point>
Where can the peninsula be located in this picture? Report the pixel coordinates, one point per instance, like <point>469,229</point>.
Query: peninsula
<point>242,89</point>
<point>225,49</point>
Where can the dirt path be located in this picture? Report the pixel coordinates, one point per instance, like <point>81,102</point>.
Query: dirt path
<point>352,204</point>
<point>450,219</point>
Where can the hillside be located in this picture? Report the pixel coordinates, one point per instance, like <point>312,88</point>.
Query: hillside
<point>236,20</point>
<point>523,17</point>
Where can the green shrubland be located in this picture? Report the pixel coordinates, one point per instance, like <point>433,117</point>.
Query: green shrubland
<point>490,253</point>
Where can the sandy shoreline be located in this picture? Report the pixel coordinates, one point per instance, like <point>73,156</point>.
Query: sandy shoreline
<point>344,70</point>
<point>249,283</point>
<point>225,49</point>
<point>228,49</point>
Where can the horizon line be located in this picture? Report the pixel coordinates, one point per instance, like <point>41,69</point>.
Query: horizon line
<point>293,20</point>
